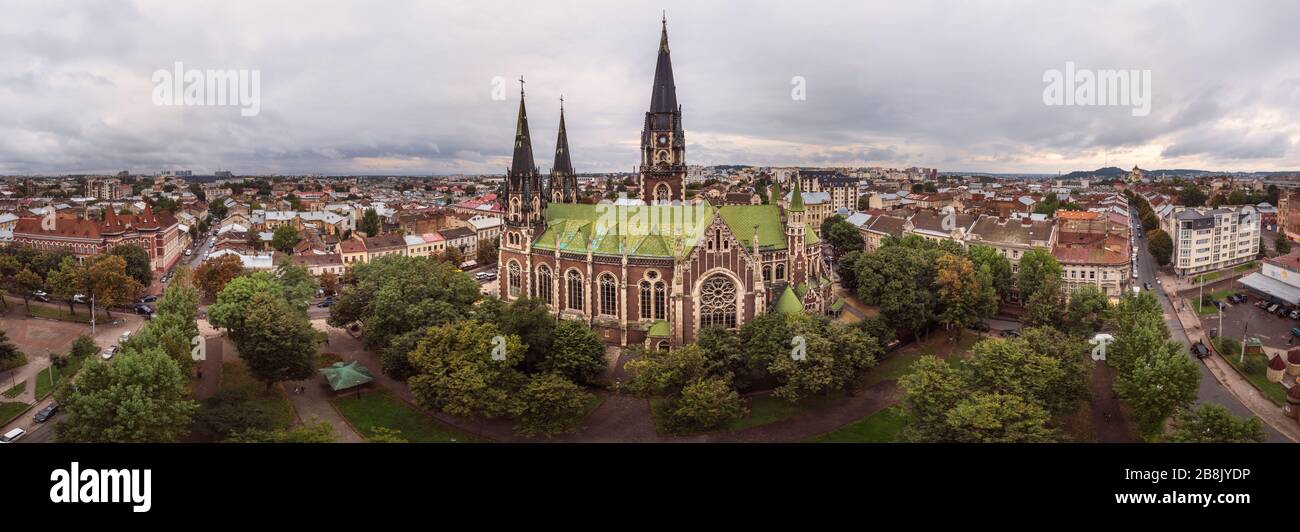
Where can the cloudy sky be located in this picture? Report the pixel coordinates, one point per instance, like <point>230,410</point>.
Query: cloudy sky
<point>398,87</point>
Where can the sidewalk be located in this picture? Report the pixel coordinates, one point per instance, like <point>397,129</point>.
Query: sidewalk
<point>1237,385</point>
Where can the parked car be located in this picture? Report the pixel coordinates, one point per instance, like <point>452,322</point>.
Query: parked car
<point>978,326</point>
<point>1199,350</point>
<point>79,298</point>
<point>149,298</point>
<point>1272,308</point>
<point>12,436</point>
<point>108,352</point>
<point>124,337</point>
<point>46,413</point>
<point>1295,332</point>
<point>1146,286</point>
<point>189,252</point>
<point>1011,333</point>
<point>326,302</point>
<point>144,310</point>
<point>41,295</point>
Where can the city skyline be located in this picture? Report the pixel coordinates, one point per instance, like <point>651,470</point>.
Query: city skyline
<point>412,91</point>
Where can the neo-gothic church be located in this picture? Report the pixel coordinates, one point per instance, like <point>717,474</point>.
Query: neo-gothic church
<point>652,272</point>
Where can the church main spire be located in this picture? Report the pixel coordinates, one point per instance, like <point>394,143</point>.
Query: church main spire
<point>663,141</point>
<point>663,98</point>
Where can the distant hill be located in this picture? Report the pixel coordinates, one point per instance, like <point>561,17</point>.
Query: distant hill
<point>1102,173</point>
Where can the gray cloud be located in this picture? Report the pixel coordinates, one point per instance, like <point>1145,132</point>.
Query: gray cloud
<point>407,88</point>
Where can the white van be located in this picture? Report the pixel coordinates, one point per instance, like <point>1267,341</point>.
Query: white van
<point>12,436</point>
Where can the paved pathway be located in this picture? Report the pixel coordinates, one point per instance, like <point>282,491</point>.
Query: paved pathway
<point>1223,385</point>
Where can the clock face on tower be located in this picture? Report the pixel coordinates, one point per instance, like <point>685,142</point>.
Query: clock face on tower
<point>663,140</point>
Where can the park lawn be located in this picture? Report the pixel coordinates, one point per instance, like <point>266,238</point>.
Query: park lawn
<point>1214,296</point>
<point>378,408</point>
<point>17,389</point>
<point>235,376</point>
<point>53,313</point>
<point>880,427</point>
<point>1272,390</point>
<point>767,408</point>
<point>1246,266</point>
<point>11,410</point>
<point>1206,277</point>
<point>47,380</point>
<point>898,363</point>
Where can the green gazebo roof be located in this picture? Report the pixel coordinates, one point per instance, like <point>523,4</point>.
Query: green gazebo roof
<point>344,375</point>
<point>658,330</point>
<point>788,303</point>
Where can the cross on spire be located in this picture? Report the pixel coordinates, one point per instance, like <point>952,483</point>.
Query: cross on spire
<point>521,84</point>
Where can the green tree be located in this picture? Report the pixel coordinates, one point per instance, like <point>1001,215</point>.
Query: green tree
<point>235,302</point>
<point>1046,305</point>
<point>1037,266</point>
<point>141,397</point>
<point>370,224</point>
<point>108,283</point>
<point>667,372</point>
<point>1212,423</point>
<point>1159,384</point>
<point>703,405</point>
<point>299,284</point>
<point>285,238</point>
<point>1160,245</point>
<point>1282,243</point>
<point>998,418</point>
<point>138,264</point>
<point>276,342</point>
<point>577,353</point>
<point>9,352</point>
<point>393,295</point>
<point>550,404</point>
<point>989,262</point>
<point>930,390</point>
<point>28,282</point>
<point>963,298</point>
<point>835,357</point>
<point>843,237</point>
<point>846,269</point>
<point>1087,312</point>
<point>530,320</point>
<point>457,374</point>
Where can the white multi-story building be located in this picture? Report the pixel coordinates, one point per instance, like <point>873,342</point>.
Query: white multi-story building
<point>1207,240</point>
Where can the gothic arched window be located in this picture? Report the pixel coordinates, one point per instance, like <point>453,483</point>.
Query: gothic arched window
<point>574,281</point>
<point>780,272</point>
<point>544,284</point>
<point>767,274</point>
<point>645,300</point>
<point>608,295</point>
<point>662,193</point>
<point>718,302</point>
<point>661,293</point>
<point>512,274</point>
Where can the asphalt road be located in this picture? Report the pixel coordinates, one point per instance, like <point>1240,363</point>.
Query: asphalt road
<point>1210,390</point>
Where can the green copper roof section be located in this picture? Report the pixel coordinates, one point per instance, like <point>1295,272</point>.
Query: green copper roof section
<point>837,305</point>
<point>796,200</point>
<point>788,303</point>
<point>643,230</point>
<point>801,290</point>
<point>658,330</point>
<point>809,236</point>
<point>741,219</point>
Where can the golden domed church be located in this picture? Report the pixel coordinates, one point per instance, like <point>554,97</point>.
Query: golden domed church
<point>656,270</point>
